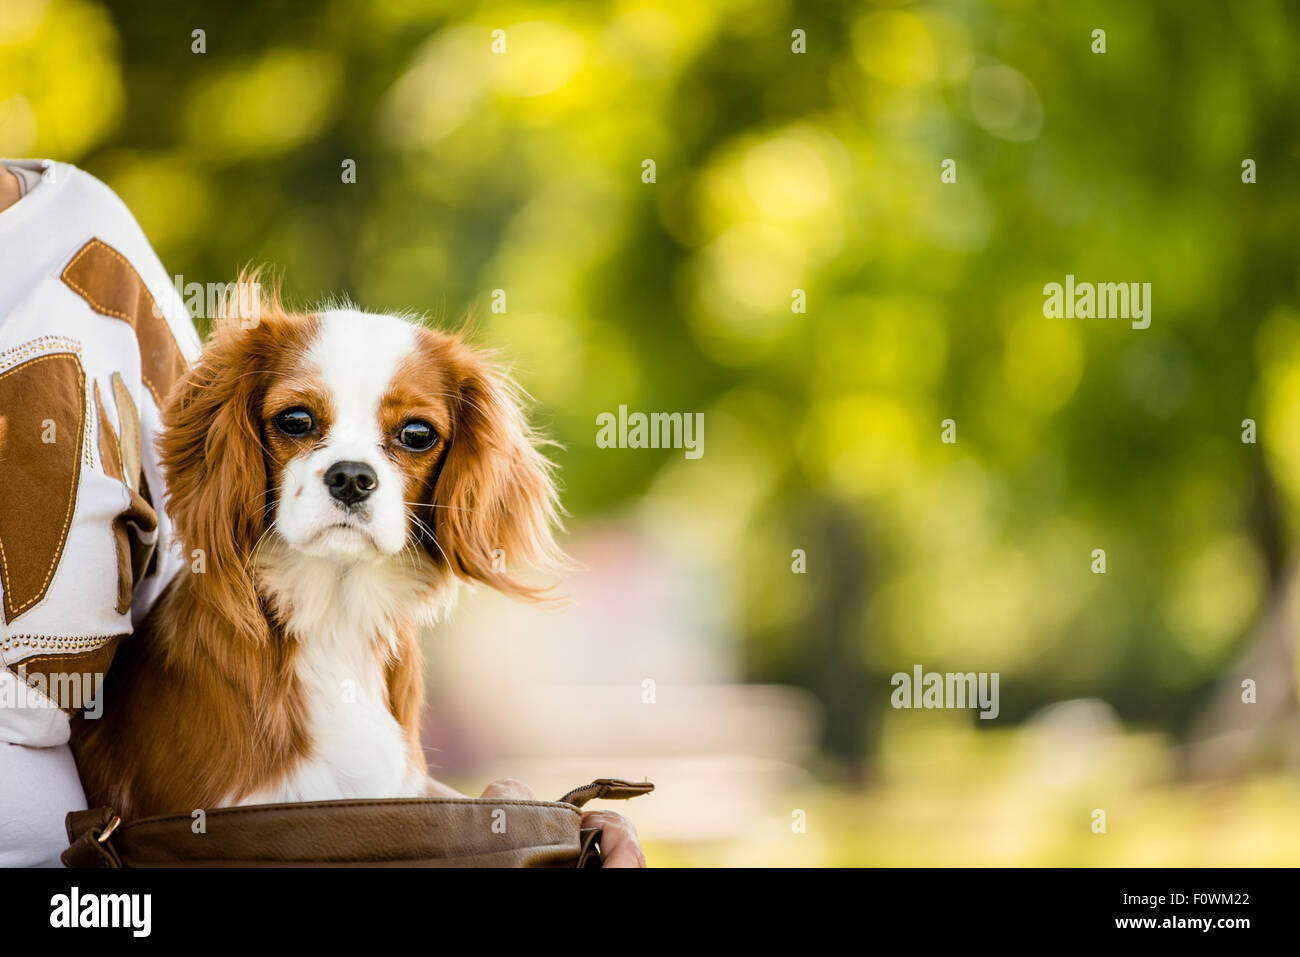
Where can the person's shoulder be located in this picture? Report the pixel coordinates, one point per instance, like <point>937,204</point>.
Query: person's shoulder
<point>85,188</point>
<point>76,202</point>
<point>89,209</point>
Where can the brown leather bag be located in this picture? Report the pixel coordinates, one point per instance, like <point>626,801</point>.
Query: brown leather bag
<point>429,832</point>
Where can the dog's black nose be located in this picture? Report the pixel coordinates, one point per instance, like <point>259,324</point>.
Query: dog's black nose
<point>351,482</point>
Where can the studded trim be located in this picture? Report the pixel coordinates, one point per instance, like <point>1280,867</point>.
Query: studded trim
<point>26,644</point>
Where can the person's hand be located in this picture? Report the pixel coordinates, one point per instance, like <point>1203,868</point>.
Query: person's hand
<point>619,845</point>
<point>509,788</point>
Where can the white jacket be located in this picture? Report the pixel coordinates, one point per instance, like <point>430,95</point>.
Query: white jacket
<point>91,336</point>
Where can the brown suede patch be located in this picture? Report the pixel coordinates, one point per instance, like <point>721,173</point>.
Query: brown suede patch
<point>128,442</point>
<point>133,552</point>
<point>43,399</point>
<point>99,274</point>
<point>138,517</point>
<point>109,453</point>
<point>50,667</point>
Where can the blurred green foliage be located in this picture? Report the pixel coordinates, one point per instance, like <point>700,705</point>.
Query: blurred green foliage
<point>779,171</point>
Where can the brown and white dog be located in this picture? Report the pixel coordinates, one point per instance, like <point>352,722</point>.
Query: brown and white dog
<point>332,476</point>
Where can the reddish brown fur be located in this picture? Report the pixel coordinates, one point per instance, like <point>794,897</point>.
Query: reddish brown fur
<point>405,679</point>
<point>494,490</point>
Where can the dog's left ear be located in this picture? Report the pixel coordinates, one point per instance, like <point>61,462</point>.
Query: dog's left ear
<point>494,503</point>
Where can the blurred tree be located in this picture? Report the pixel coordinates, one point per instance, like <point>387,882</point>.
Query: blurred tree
<point>777,171</point>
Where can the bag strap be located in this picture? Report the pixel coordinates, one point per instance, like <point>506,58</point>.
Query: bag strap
<point>589,848</point>
<point>614,789</point>
<point>89,834</point>
<point>611,789</point>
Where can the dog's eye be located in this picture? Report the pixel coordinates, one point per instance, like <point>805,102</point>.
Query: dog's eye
<point>294,422</point>
<point>416,435</point>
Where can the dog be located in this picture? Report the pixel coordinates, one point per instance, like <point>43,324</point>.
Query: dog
<point>332,476</point>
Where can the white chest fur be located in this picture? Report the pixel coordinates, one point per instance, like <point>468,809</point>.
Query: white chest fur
<point>357,748</point>
<point>342,621</point>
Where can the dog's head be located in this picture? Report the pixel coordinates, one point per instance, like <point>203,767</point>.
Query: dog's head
<point>349,437</point>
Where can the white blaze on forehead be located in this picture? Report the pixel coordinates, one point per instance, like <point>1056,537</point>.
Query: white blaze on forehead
<point>354,357</point>
<point>358,354</point>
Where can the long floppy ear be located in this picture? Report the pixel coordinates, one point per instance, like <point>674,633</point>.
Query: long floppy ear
<point>494,503</point>
<point>212,455</point>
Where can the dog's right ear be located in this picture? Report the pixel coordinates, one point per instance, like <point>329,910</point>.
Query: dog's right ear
<point>212,455</point>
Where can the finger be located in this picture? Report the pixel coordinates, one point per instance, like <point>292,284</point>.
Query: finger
<point>509,788</point>
<point>436,789</point>
<point>619,845</point>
